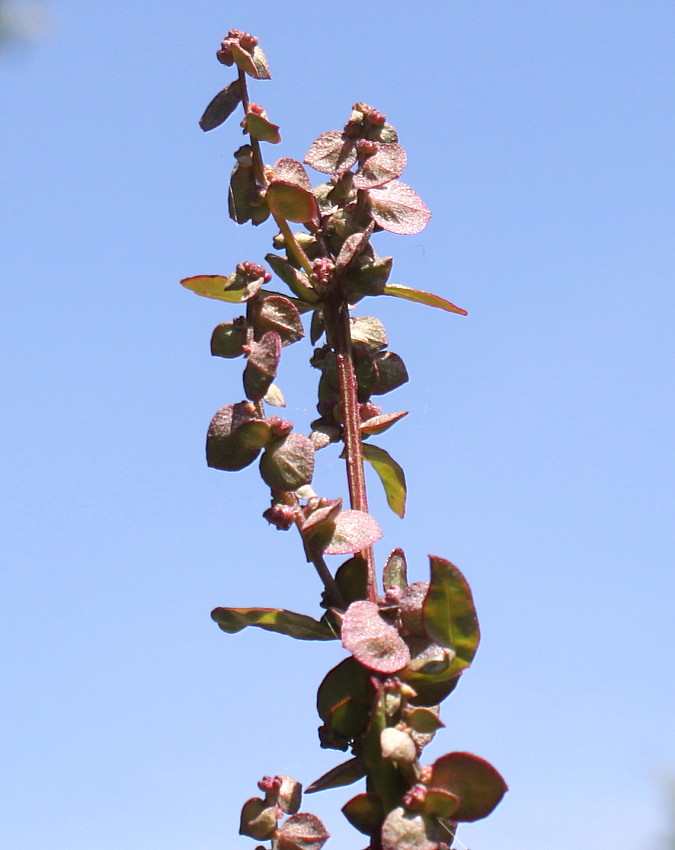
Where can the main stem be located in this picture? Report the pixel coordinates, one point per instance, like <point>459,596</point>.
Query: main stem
<point>337,322</point>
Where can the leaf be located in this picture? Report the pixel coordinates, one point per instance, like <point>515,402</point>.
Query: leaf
<point>404,831</point>
<point>228,338</point>
<point>302,832</point>
<point>353,245</point>
<point>385,165</point>
<point>296,280</point>
<point>221,288</point>
<point>371,640</point>
<point>289,170</point>
<point>391,476</point>
<point>258,820</point>
<point>277,313</point>
<point>365,812</point>
<point>254,63</point>
<point>332,153</point>
<point>422,298</point>
<point>343,699</point>
<point>382,422</point>
<point>398,208</point>
<point>352,579</point>
<point>440,803</point>
<point>288,463</point>
<point>449,614</point>
<point>368,331</point>
<point>291,202</point>
<point>299,626</point>
<point>344,774</point>
<point>261,368</point>
<point>221,107</point>
<point>395,570</point>
<point>235,436</point>
<point>261,128</point>
<point>473,780</point>
<point>390,372</point>
<point>274,397</point>
<point>351,532</point>
<point>423,720</point>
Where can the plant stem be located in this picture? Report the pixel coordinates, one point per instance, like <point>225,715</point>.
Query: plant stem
<point>258,164</point>
<point>337,322</point>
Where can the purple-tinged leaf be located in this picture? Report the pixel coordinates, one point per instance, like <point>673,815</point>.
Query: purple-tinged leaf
<point>402,830</point>
<point>288,463</point>
<point>221,107</point>
<point>253,62</point>
<point>282,791</point>
<point>261,368</point>
<point>344,774</point>
<point>398,208</point>
<point>379,424</point>
<point>449,613</point>
<point>473,780</point>
<point>365,812</point>
<point>327,512</point>
<point>289,170</point>
<point>299,626</point>
<point>302,832</point>
<point>384,166</point>
<point>343,700</point>
<point>291,202</point>
<point>391,372</point>
<point>332,153</point>
<point>372,641</point>
<point>422,298</point>
<point>351,532</point>
<point>235,436</point>
<point>277,313</point>
<point>352,579</point>
<point>352,247</point>
<point>391,475</point>
<point>395,571</point>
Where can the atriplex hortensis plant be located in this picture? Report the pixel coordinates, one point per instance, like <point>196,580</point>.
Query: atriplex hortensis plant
<point>408,644</point>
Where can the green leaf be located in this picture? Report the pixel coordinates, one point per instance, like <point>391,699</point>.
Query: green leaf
<point>296,280</point>
<point>343,699</point>
<point>291,202</point>
<point>221,288</point>
<point>228,338</point>
<point>449,613</point>
<point>344,774</point>
<point>368,331</point>
<point>261,128</point>
<point>422,298</point>
<point>395,570</point>
<point>352,579</point>
<point>473,780</point>
<point>391,476</point>
<point>299,626</point>
<point>235,436</point>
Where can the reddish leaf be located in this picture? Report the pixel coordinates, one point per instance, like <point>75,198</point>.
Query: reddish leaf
<point>291,171</point>
<point>372,641</point>
<point>473,780</point>
<point>302,832</point>
<point>221,107</point>
<point>385,165</point>
<point>288,463</point>
<point>276,313</point>
<point>261,368</point>
<point>352,247</point>
<point>235,436</point>
<point>253,62</point>
<point>332,153</point>
<point>351,532</point>
<point>398,208</point>
<point>379,424</point>
<point>258,819</point>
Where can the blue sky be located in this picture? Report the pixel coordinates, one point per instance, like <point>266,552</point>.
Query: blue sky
<point>538,449</point>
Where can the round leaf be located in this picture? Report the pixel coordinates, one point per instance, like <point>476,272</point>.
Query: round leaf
<point>473,780</point>
<point>371,640</point>
<point>398,208</point>
<point>291,202</point>
<point>288,463</point>
<point>449,613</point>
<point>302,832</point>
<point>332,153</point>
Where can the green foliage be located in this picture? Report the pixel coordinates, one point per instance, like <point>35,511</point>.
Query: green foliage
<point>407,643</point>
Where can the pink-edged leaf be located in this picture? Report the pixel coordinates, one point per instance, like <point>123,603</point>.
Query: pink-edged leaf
<point>302,832</point>
<point>420,297</point>
<point>291,171</point>
<point>221,107</point>
<point>351,532</point>
<point>385,165</point>
<point>352,247</point>
<point>398,208</point>
<point>379,424</point>
<point>326,513</point>
<point>372,641</point>
<point>222,288</point>
<point>332,153</point>
<point>473,780</point>
<point>261,128</point>
<point>254,63</point>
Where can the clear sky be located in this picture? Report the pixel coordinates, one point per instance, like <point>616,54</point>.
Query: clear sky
<point>538,449</point>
